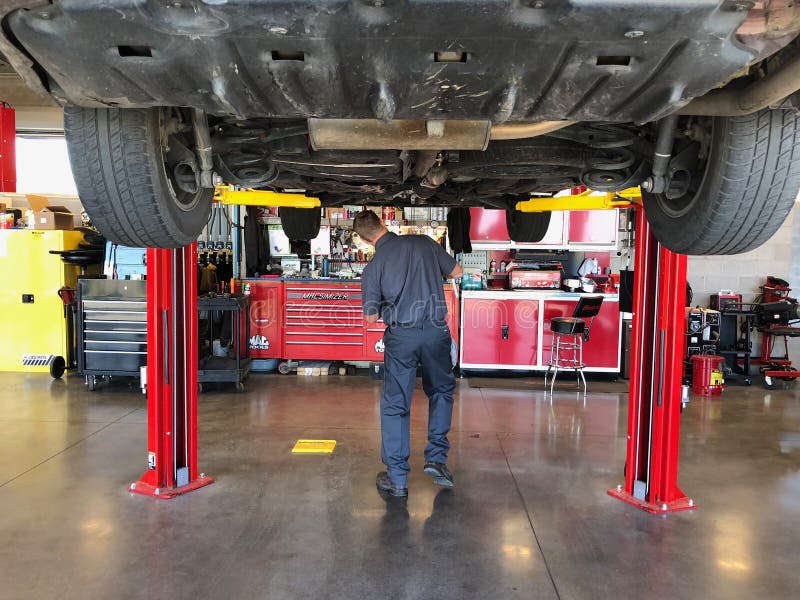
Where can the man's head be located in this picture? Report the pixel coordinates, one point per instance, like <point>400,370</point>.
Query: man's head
<point>368,226</point>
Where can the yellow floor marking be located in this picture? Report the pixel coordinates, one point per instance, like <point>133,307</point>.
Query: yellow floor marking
<point>314,447</point>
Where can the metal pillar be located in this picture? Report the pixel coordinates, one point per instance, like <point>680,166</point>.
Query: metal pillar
<point>8,156</point>
<point>171,375</point>
<point>651,467</point>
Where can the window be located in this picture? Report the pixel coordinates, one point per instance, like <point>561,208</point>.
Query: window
<point>43,166</point>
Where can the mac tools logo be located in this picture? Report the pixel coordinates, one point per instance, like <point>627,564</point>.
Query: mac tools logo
<point>380,346</point>
<point>259,342</point>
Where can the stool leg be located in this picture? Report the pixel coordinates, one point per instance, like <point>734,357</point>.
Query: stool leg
<point>556,362</point>
<point>580,363</point>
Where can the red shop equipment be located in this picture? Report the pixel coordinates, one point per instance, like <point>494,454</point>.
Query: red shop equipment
<point>171,375</point>
<point>656,394</point>
<point>707,377</point>
<point>8,140</point>
<point>776,317</point>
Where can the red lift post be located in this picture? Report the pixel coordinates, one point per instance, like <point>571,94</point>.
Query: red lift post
<point>171,375</point>
<point>8,156</point>
<point>659,298</point>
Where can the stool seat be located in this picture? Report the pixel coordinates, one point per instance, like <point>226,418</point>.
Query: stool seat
<point>567,325</point>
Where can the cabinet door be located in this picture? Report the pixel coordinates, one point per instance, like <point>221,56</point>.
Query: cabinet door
<point>266,308</point>
<point>595,227</point>
<point>603,348</point>
<point>488,225</point>
<point>499,332</point>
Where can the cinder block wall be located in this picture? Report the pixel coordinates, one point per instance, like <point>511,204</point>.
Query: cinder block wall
<point>744,273</point>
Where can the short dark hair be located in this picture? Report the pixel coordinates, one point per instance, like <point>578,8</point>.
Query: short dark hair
<point>367,224</point>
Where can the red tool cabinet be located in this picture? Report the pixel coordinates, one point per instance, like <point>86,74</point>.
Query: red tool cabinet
<point>312,320</point>
<point>323,321</point>
<point>266,313</point>
<point>511,330</point>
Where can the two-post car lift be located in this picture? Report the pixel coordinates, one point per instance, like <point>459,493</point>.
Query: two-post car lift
<point>651,468</point>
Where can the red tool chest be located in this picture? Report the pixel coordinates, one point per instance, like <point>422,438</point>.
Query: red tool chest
<point>323,321</point>
<point>319,321</point>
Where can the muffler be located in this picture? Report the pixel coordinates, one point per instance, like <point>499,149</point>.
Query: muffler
<point>374,134</point>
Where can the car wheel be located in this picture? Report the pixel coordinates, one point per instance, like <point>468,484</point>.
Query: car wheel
<point>137,175</point>
<point>527,227</point>
<point>300,223</point>
<point>732,187</point>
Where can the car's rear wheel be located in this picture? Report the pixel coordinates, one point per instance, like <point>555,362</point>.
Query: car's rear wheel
<point>300,223</point>
<point>527,227</point>
<point>731,187</point>
<point>137,175</point>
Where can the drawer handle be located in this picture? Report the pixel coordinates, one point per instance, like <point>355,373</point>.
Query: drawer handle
<point>504,332</point>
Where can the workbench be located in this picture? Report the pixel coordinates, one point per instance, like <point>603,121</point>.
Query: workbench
<point>510,330</point>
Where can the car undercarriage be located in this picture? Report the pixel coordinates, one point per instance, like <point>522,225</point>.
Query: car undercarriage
<point>464,103</point>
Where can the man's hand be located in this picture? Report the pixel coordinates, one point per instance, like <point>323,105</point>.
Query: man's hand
<point>372,318</point>
<point>457,272</point>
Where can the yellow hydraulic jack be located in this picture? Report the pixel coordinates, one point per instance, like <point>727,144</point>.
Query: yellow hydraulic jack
<point>227,195</point>
<point>587,200</point>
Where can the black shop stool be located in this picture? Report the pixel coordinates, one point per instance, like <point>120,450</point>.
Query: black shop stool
<point>569,333</point>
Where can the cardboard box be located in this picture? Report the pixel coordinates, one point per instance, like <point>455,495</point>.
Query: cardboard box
<point>50,217</point>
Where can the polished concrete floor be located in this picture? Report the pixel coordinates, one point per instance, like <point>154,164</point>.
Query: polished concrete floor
<point>529,518</point>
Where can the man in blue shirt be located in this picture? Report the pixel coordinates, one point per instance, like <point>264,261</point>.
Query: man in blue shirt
<point>403,285</point>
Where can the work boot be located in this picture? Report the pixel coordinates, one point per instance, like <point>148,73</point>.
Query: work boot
<point>440,473</point>
<point>385,485</point>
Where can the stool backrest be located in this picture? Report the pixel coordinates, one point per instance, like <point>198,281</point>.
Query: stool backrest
<point>588,306</point>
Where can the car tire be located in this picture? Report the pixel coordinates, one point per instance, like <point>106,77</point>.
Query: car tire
<point>300,223</point>
<point>743,193</point>
<point>526,227</point>
<point>124,180</point>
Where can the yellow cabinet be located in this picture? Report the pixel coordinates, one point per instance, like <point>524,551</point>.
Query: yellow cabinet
<point>31,313</point>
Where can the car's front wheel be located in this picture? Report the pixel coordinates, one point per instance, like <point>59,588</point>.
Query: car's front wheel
<point>136,174</point>
<point>733,181</point>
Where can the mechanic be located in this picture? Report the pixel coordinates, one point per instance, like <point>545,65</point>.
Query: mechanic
<point>403,285</point>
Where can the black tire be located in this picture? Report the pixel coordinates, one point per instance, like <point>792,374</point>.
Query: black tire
<point>57,367</point>
<point>300,223</point>
<point>743,193</point>
<point>527,227</point>
<point>123,180</point>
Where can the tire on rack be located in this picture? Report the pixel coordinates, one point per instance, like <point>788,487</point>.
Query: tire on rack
<point>739,197</point>
<point>300,223</point>
<point>527,227</point>
<point>136,174</point>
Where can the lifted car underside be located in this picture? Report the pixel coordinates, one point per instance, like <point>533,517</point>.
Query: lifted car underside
<point>454,103</point>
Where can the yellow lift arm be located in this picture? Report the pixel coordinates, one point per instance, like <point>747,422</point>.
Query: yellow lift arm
<point>583,201</point>
<point>226,195</point>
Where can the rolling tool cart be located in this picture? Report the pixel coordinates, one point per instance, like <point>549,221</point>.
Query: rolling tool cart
<point>112,328</point>
<point>777,316</point>
<point>236,367</point>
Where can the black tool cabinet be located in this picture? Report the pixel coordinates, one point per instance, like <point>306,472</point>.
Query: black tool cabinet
<point>112,328</point>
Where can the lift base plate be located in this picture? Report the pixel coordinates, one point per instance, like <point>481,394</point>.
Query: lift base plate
<point>146,489</point>
<point>683,503</point>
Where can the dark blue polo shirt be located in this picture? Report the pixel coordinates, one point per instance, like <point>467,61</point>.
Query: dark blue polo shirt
<point>403,281</point>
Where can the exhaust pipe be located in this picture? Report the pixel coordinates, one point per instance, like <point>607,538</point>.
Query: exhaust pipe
<point>765,92</point>
<point>373,134</point>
